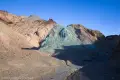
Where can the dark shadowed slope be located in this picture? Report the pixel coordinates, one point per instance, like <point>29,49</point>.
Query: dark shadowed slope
<point>101,67</point>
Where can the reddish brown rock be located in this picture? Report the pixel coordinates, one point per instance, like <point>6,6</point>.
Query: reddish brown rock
<point>86,33</point>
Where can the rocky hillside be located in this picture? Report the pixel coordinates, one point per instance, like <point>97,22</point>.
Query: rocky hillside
<point>108,69</point>
<point>32,27</point>
<point>18,63</point>
<point>37,49</point>
<point>74,34</point>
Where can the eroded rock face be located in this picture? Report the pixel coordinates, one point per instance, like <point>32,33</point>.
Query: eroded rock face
<point>74,34</point>
<point>32,27</point>
<point>86,34</point>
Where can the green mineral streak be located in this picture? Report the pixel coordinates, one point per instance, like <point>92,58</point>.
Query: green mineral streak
<point>58,37</point>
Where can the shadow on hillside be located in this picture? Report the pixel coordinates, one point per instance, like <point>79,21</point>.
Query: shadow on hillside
<point>77,54</point>
<point>93,57</point>
<point>32,48</point>
<point>94,71</point>
<point>96,66</point>
<point>83,54</point>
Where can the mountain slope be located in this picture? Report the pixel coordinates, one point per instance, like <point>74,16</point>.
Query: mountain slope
<point>108,68</point>
<point>74,34</point>
<point>32,27</point>
<point>16,62</point>
<point>26,42</point>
